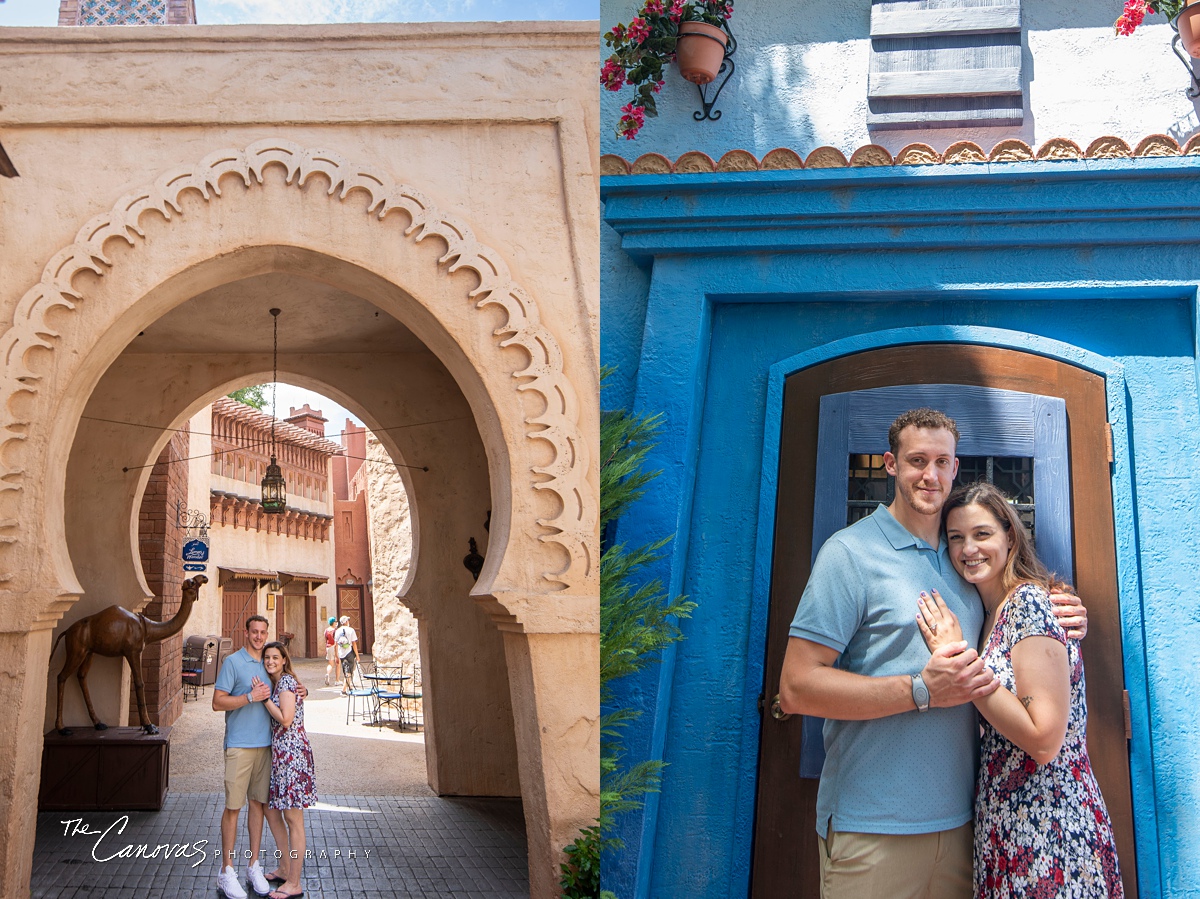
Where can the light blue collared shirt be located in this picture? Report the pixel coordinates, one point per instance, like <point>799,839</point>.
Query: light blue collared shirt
<point>250,725</point>
<point>908,773</point>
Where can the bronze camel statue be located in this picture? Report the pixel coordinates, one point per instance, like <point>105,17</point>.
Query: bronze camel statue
<point>112,632</point>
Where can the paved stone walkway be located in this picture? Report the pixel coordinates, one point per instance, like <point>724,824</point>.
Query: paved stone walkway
<point>366,847</point>
<point>375,803</point>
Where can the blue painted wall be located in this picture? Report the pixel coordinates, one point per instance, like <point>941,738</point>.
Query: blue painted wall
<point>742,272</point>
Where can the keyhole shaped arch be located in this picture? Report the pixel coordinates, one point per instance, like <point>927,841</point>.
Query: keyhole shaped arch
<point>539,448</point>
<point>394,446</point>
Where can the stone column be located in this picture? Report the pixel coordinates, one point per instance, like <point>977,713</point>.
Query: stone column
<point>24,659</point>
<point>555,683</point>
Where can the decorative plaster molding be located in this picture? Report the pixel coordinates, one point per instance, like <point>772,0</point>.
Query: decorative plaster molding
<point>574,528</point>
<point>1010,150</point>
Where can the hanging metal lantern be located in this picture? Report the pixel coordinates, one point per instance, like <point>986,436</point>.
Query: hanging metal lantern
<point>274,490</point>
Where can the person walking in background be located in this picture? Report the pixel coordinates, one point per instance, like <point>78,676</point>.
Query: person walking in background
<point>332,668</point>
<point>347,649</point>
<point>293,776</point>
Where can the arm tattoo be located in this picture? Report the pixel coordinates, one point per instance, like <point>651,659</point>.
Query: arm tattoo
<point>1025,700</point>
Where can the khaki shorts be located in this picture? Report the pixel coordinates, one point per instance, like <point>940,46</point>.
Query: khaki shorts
<point>898,866</point>
<point>247,773</point>
<point>330,653</point>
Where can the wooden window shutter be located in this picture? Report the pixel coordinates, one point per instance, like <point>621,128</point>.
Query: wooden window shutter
<point>945,64</point>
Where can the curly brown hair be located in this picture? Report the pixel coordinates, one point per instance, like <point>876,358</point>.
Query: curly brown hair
<point>1023,565</point>
<point>930,419</point>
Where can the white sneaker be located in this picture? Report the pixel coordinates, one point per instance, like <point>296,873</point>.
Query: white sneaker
<point>227,883</point>
<point>256,880</point>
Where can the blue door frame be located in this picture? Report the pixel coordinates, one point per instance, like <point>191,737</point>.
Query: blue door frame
<point>742,266</point>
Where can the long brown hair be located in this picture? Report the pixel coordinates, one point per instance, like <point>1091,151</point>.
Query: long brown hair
<point>1023,565</point>
<point>287,659</point>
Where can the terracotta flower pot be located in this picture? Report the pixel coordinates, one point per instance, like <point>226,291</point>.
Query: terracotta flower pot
<point>1188,23</point>
<point>700,51</point>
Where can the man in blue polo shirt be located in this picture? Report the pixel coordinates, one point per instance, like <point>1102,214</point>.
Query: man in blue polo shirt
<point>895,805</point>
<point>239,691</point>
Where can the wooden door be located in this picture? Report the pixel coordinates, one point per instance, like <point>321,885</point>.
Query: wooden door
<point>785,847</point>
<point>350,603</point>
<point>238,602</point>
<point>312,629</point>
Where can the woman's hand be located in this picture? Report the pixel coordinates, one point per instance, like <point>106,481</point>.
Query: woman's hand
<point>939,626</point>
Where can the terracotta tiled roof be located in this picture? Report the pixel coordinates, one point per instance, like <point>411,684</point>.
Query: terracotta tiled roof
<point>914,154</point>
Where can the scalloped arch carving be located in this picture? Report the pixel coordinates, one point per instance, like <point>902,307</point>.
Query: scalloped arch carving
<point>573,528</point>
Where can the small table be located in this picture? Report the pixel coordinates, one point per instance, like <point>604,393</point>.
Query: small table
<point>386,679</point>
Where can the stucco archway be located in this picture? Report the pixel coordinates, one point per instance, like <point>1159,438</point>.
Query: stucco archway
<point>276,206</point>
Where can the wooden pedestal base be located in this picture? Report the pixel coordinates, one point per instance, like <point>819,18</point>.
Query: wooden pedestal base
<point>116,769</point>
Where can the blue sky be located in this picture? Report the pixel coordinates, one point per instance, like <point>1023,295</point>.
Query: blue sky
<point>291,12</point>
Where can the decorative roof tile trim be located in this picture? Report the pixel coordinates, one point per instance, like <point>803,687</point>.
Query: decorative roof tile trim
<point>1157,145</point>
<point>871,155</point>
<point>826,158</point>
<point>918,154</point>
<point>1060,148</point>
<point>694,162</point>
<point>738,161</point>
<point>613,165</point>
<point>781,158</point>
<point>651,164</point>
<point>1011,150</point>
<point>566,470</point>
<point>964,151</point>
<point>1108,147</point>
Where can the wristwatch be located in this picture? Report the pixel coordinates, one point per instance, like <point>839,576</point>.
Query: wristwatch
<point>920,693</point>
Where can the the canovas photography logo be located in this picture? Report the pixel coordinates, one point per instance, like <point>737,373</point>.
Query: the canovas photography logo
<point>107,846</point>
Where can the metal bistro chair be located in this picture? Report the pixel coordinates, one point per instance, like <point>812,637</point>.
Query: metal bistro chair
<point>388,693</point>
<point>412,708</point>
<point>361,701</point>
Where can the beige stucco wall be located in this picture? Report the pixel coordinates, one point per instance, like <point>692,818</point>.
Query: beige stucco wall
<point>231,547</point>
<point>478,144</point>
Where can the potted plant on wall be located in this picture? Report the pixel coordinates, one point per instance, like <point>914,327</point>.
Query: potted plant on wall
<point>693,34</point>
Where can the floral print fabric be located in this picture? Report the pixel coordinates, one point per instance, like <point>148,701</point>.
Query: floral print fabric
<point>293,776</point>
<point>1041,831</point>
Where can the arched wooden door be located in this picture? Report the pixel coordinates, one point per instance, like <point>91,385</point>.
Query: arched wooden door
<point>785,845</point>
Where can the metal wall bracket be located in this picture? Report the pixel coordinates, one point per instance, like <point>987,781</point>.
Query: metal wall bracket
<point>706,111</point>
<point>1194,90</point>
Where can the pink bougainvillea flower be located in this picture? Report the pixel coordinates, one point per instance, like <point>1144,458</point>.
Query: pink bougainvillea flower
<point>653,7</point>
<point>612,76</point>
<point>658,85</point>
<point>639,30</point>
<point>1131,18</point>
<point>631,122</point>
<point>618,32</point>
<point>676,10</point>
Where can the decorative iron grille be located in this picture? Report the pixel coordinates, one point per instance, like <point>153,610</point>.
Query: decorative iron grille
<point>123,12</point>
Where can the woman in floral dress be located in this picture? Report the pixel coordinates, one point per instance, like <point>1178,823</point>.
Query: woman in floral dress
<point>1041,827</point>
<point>293,779</point>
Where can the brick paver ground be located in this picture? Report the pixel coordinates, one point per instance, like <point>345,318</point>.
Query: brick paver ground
<point>374,847</point>
<point>374,799</point>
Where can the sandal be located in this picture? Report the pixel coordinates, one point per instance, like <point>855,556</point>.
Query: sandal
<point>279,894</point>
<point>274,877</point>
